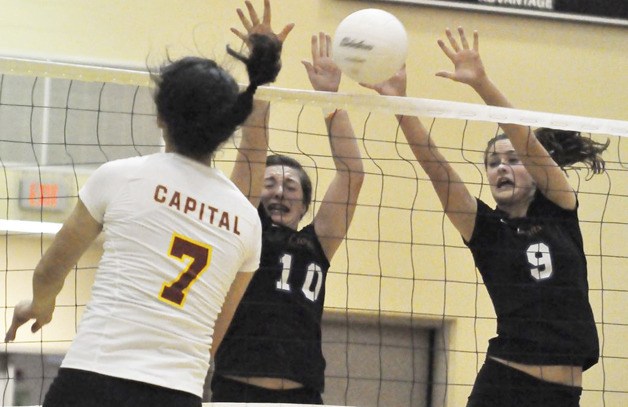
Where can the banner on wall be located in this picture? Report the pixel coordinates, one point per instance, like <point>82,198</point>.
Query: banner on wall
<point>613,12</point>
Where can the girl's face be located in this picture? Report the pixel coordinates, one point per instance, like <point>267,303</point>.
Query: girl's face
<point>510,182</point>
<point>282,195</point>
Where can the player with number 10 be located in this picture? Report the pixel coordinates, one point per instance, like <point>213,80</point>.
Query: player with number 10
<point>272,351</point>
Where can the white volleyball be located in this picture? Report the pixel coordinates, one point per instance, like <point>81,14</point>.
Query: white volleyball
<point>370,45</point>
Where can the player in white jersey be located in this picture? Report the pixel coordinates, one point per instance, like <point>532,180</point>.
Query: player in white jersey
<point>181,243</point>
<point>172,248</point>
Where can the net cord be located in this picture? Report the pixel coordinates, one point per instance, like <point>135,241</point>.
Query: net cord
<point>372,103</point>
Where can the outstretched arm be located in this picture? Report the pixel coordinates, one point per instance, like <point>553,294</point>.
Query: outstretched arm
<point>229,307</point>
<point>338,206</point>
<point>248,171</point>
<point>549,177</point>
<point>76,235</point>
<point>458,203</point>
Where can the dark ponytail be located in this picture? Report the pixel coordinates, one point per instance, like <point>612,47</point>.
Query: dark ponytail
<point>200,103</point>
<point>262,65</point>
<point>570,147</point>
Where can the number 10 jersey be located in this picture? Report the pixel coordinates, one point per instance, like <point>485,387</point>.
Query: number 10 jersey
<point>276,331</point>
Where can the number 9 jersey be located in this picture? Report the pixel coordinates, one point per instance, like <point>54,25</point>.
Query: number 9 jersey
<point>176,232</point>
<point>535,271</point>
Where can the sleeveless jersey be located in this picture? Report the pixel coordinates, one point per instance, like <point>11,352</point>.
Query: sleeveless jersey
<point>176,232</point>
<point>276,331</point>
<point>535,271</point>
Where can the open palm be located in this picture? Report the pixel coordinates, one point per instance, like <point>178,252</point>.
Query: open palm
<point>468,66</point>
<point>253,24</point>
<point>323,72</point>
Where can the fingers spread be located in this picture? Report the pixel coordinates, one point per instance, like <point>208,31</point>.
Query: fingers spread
<point>322,45</point>
<point>315,50</point>
<point>452,40</point>
<point>444,74</point>
<point>252,13</point>
<point>266,18</point>
<point>240,35</point>
<point>463,38</point>
<point>450,54</point>
<point>284,33</point>
<point>244,20</point>
<point>329,45</point>
<point>309,68</point>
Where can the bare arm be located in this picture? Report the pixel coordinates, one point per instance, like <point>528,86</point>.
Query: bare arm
<point>76,235</point>
<point>458,203</point>
<point>338,206</point>
<point>229,307</point>
<point>549,177</point>
<point>248,171</point>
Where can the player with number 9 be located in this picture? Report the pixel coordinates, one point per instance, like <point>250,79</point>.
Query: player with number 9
<point>529,250</point>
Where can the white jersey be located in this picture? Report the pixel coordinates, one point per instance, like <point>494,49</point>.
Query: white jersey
<point>176,233</point>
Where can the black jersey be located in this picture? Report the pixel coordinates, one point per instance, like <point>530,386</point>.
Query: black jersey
<point>535,271</point>
<point>276,331</point>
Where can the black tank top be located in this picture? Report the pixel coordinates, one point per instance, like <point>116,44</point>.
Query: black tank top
<point>276,331</point>
<point>535,271</point>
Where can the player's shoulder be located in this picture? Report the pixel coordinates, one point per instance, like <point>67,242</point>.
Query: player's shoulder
<point>233,194</point>
<point>245,206</point>
<point>123,164</point>
<point>116,170</point>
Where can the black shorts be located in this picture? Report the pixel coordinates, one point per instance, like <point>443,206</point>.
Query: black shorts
<point>498,385</point>
<point>228,390</point>
<point>81,388</point>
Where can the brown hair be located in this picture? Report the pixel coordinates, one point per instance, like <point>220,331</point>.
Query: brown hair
<point>566,148</point>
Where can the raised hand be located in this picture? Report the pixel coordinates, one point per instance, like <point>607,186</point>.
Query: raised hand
<point>467,62</point>
<point>253,25</point>
<point>393,86</point>
<point>323,72</point>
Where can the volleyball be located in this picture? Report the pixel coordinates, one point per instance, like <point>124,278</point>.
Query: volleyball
<point>370,45</point>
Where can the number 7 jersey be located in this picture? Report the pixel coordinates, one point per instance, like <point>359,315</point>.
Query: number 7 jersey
<point>176,232</point>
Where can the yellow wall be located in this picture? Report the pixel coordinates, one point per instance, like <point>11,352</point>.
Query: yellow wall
<point>561,67</point>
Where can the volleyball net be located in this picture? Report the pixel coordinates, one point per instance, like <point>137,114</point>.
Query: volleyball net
<point>407,318</point>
